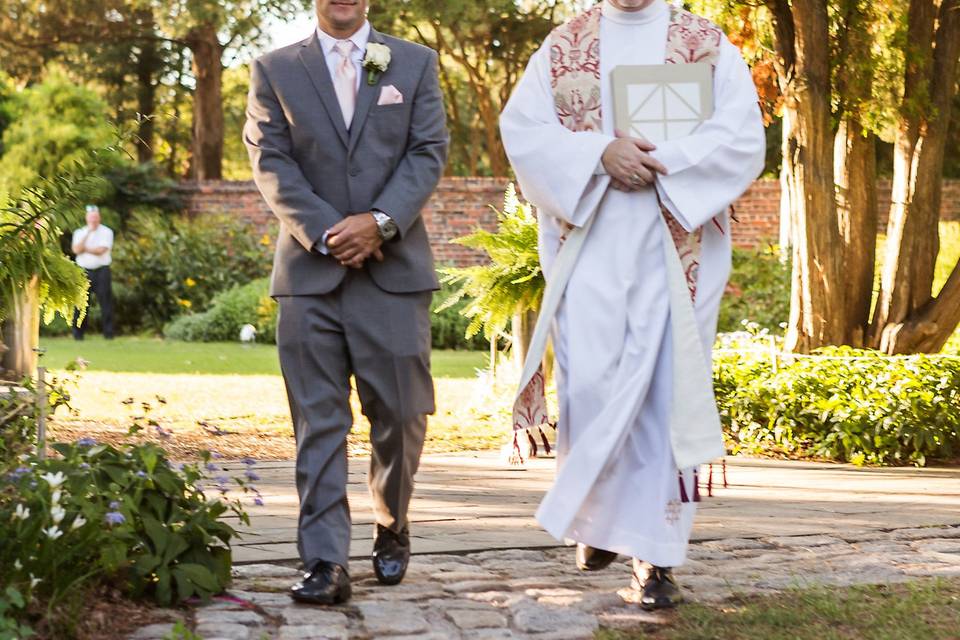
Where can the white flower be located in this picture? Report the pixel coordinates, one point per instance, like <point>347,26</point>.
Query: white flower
<point>53,532</point>
<point>78,522</point>
<point>54,480</point>
<point>377,58</point>
<point>55,498</point>
<point>22,512</point>
<point>34,581</point>
<point>17,564</point>
<point>58,513</point>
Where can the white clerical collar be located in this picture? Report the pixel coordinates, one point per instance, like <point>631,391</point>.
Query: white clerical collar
<point>656,9</point>
<point>359,38</point>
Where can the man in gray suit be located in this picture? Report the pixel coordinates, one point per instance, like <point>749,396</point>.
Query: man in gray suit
<point>347,137</point>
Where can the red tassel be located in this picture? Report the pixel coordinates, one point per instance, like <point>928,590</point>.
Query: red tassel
<point>517,454</point>
<point>725,485</point>
<point>696,487</point>
<point>546,442</point>
<point>710,482</point>
<point>683,489</point>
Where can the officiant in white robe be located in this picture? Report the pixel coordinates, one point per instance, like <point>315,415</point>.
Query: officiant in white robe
<point>617,487</point>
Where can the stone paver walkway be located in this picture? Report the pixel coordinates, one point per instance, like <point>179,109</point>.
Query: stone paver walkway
<point>484,569</point>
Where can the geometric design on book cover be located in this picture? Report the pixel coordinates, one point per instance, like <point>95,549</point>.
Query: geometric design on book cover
<point>661,111</point>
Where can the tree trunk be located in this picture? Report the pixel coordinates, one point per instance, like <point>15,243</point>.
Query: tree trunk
<point>148,64</point>
<point>855,170</point>
<point>21,332</point>
<point>817,295</point>
<point>207,103</point>
<point>907,319</point>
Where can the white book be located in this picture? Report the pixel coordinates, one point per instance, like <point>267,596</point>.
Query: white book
<point>662,101</point>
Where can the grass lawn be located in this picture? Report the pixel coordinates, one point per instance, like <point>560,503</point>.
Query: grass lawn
<point>154,355</point>
<point>922,610</point>
<point>229,398</point>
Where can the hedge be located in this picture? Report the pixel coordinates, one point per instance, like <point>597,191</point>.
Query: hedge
<point>841,404</point>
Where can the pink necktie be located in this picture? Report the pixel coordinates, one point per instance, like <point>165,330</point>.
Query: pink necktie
<point>345,81</point>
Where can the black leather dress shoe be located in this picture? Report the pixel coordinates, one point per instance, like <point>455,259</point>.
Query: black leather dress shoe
<point>324,583</point>
<point>593,559</point>
<point>391,555</point>
<point>657,586</point>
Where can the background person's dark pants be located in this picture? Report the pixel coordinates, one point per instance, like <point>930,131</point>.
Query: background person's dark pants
<point>100,286</point>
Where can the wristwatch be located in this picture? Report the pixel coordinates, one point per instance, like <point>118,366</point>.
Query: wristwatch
<point>386,227</point>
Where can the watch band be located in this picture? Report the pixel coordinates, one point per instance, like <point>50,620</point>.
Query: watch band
<point>386,227</point>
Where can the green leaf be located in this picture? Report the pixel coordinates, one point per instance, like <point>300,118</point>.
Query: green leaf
<point>159,535</point>
<point>197,575</point>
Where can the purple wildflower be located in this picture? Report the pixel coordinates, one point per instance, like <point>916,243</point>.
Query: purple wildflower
<point>215,455</point>
<point>258,501</point>
<point>221,479</point>
<point>86,442</point>
<point>84,465</point>
<point>212,467</point>
<point>165,434</point>
<point>249,461</point>
<point>141,474</point>
<point>114,505</point>
<point>115,517</point>
<point>251,475</point>
<point>18,473</point>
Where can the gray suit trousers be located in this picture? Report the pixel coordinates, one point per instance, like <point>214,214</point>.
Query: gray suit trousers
<point>383,339</point>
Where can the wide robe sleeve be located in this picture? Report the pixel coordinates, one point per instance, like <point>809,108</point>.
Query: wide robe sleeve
<point>556,167</point>
<point>711,168</point>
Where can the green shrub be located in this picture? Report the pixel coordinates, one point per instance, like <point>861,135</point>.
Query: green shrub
<point>759,290</point>
<point>221,322</point>
<point>93,514</point>
<point>847,405</point>
<point>123,515</point>
<point>252,304</point>
<point>167,265</point>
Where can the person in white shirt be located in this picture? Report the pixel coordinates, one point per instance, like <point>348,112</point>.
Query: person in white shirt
<point>92,246</point>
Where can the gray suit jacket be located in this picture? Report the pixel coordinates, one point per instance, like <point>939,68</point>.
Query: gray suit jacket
<point>313,172</point>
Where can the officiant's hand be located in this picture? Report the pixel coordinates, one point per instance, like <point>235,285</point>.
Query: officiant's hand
<point>355,239</point>
<point>628,162</point>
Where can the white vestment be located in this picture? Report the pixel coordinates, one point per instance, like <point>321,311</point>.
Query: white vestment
<point>612,334</point>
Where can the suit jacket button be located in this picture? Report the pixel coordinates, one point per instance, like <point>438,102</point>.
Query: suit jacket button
<point>355,171</point>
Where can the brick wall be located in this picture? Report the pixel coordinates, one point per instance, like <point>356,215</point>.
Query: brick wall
<point>460,205</point>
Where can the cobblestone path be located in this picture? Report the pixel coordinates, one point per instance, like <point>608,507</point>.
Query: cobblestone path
<point>539,593</point>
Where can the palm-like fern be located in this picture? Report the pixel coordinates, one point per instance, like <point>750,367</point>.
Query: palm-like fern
<point>511,283</point>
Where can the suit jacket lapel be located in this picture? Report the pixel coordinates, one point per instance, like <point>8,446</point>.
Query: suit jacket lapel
<point>311,55</point>
<point>365,97</point>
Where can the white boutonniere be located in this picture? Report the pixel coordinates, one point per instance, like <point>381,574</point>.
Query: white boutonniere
<point>376,61</point>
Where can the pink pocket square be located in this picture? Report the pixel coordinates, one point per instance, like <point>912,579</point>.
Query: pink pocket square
<point>390,95</point>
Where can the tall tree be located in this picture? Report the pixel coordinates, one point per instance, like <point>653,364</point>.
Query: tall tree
<point>849,71</point>
<point>211,28</point>
<point>484,48</point>
<point>802,27</point>
<point>114,42</point>
<point>908,318</point>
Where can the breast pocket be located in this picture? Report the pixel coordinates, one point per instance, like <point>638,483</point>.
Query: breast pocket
<point>390,122</point>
